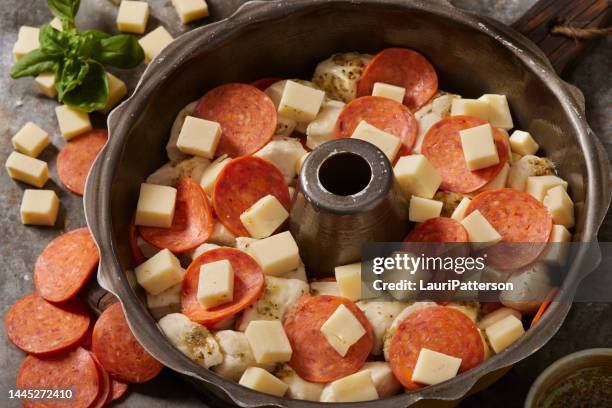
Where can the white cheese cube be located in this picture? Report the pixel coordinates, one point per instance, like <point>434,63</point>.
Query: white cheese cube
<point>199,137</point>
<point>499,181</point>
<point>154,42</point>
<point>72,122</point>
<point>212,172</point>
<point>264,217</point>
<point>342,329</point>
<point>558,243</point>
<point>190,10</point>
<point>354,388</point>
<point>479,229</point>
<point>30,140</point>
<point>496,316</point>
<point>479,147</point>
<point>116,91</point>
<point>433,367</point>
<point>27,169</point>
<point>392,92</point>
<point>133,16</point>
<point>27,40</point>
<point>277,254</point>
<point>499,111</point>
<point>470,107</point>
<point>459,212</point>
<point>155,206</point>
<point>349,280</point>
<point>216,283</point>
<point>560,205</point>
<point>522,143</point>
<point>237,355</point>
<point>538,186</point>
<point>299,102</point>
<point>160,272</point>
<point>268,341</point>
<point>45,84</point>
<point>422,209</point>
<point>416,176</point>
<point>39,207</point>
<point>260,380</point>
<point>56,23</point>
<point>504,332</point>
<point>166,302</point>
<point>388,143</point>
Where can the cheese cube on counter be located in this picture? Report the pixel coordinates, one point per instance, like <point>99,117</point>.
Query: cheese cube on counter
<point>479,229</point>
<point>154,42</point>
<point>260,380</point>
<point>45,84</point>
<point>39,207</point>
<point>216,283</point>
<point>116,91</point>
<point>133,16</point>
<point>349,280</point>
<point>538,186</point>
<point>504,332</point>
<point>72,122</point>
<point>27,169</point>
<point>354,388</point>
<point>416,176</point>
<point>56,23</point>
<point>422,209</point>
<point>459,212</point>
<point>299,102</point>
<point>160,272</point>
<point>30,140</point>
<point>522,143</point>
<point>342,329</point>
<point>496,316</point>
<point>264,217</point>
<point>499,111</point>
<point>212,172</point>
<point>190,10</point>
<point>27,40</point>
<point>388,143</point>
<point>395,93</point>
<point>560,205</point>
<point>470,107</point>
<point>268,341</point>
<point>433,367</point>
<point>199,137</point>
<point>155,206</point>
<point>166,302</point>
<point>558,245</point>
<point>277,254</point>
<point>479,147</point>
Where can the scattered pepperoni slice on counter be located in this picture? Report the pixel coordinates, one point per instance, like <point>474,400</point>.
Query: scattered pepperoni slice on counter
<point>442,147</point>
<point>438,328</point>
<point>313,358</point>
<point>248,286</point>
<point>118,350</point>
<point>247,117</point>
<point>401,67</point>
<point>117,390</point>
<point>192,224</point>
<point>264,83</point>
<point>65,265</point>
<point>439,229</point>
<point>241,184</point>
<point>104,391</point>
<point>76,158</point>
<point>75,370</point>
<point>382,113</point>
<point>136,252</point>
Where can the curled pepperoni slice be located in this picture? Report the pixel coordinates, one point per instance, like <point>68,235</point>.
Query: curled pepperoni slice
<point>117,390</point>
<point>76,158</point>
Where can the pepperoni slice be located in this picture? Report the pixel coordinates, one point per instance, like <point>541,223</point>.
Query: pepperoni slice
<point>313,358</point>
<point>401,67</point>
<point>104,390</point>
<point>246,114</point>
<point>264,83</point>
<point>382,113</point>
<point>65,265</point>
<point>118,350</point>
<point>76,158</point>
<point>39,327</point>
<point>75,370</point>
<point>438,328</point>
<point>248,286</point>
<point>440,229</point>
<point>192,224</point>
<point>117,390</point>
<point>442,147</point>
<point>241,184</point>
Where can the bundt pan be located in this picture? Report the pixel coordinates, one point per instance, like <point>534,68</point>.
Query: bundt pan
<point>472,55</point>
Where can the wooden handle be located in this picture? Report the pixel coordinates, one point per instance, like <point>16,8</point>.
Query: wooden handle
<point>540,20</point>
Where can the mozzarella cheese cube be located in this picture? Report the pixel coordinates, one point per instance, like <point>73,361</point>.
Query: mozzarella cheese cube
<point>459,212</point>
<point>354,388</point>
<point>260,380</point>
<point>499,111</point>
<point>56,23</point>
<point>342,329</point>
<point>349,280</point>
<point>538,186</point>
<point>268,341</point>
<point>556,250</point>
<point>237,355</point>
<point>264,217</point>
<point>216,284</point>
<point>388,143</point>
<point>422,209</point>
<point>199,137</point>
<point>27,169</point>
<point>155,206</point>
<point>470,107</point>
<point>166,302</point>
<point>212,172</point>
<point>392,92</point>
<point>45,84</point>
<point>499,181</point>
<point>479,229</point>
<point>522,143</point>
<point>433,367</point>
<point>299,102</point>
<point>39,207</point>
<point>30,140</point>
<point>27,40</point>
<point>560,205</point>
<point>277,254</point>
<point>190,10</point>
<point>133,16</point>
<point>154,42</point>
<point>159,273</point>
<point>504,332</point>
<point>72,122</point>
<point>479,147</point>
<point>416,176</point>
<point>496,316</point>
<point>116,91</point>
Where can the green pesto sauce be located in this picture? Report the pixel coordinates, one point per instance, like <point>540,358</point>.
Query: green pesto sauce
<point>587,387</point>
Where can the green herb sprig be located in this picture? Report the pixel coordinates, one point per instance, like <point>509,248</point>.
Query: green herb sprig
<point>78,58</point>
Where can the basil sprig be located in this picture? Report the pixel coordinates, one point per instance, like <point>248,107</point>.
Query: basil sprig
<point>78,58</point>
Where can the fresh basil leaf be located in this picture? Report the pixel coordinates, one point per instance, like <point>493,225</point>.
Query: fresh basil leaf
<point>64,9</point>
<point>92,93</point>
<point>52,41</point>
<point>71,74</point>
<point>121,51</point>
<point>33,63</point>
